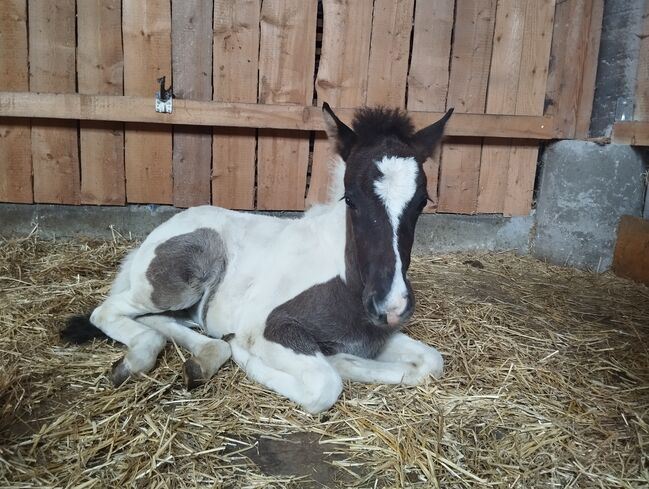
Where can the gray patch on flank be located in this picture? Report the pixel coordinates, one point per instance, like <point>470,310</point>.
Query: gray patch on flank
<point>184,267</point>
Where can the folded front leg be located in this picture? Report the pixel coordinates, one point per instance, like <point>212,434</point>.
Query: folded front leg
<point>402,360</point>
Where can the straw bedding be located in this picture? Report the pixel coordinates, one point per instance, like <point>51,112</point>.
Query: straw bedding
<point>547,385</point>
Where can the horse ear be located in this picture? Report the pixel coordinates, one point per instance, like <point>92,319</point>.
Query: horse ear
<point>338,131</point>
<point>427,138</point>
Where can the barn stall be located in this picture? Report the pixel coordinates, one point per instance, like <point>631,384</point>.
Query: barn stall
<point>547,367</point>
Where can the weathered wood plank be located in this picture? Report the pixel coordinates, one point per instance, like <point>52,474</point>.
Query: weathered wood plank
<point>532,79</point>
<point>292,117</point>
<point>15,134</point>
<point>52,43</point>
<point>428,78</point>
<point>286,66</point>
<point>236,61</point>
<point>635,133</point>
<point>146,27</point>
<point>641,111</point>
<point>470,62</point>
<point>342,75</point>
<point>389,49</point>
<point>191,47</point>
<point>631,257</point>
<point>100,70</point>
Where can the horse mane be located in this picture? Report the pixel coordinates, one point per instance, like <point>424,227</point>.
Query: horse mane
<point>371,123</point>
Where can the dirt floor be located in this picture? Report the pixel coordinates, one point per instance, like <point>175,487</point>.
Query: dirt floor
<point>546,385</point>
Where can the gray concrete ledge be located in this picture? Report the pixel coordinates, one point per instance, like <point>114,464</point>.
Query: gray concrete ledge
<point>435,232</point>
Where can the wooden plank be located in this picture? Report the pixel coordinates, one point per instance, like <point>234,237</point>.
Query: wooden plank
<point>100,70</point>
<point>389,49</point>
<point>293,117</point>
<point>641,111</point>
<point>236,61</point>
<point>517,85</point>
<point>342,75</point>
<point>635,133</point>
<point>631,257</point>
<point>471,59</point>
<point>191,43</point>
<point>146,27</point>
<point>15,134</point>
<point>532,79</point>
<point>52,43</point>
<point>568,57</point>
<point>589,71</point>
<point>428,77</point>
<point>286,68</point>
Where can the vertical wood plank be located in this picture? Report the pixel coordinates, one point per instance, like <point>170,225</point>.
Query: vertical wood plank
<point>15,134</point>
<point>641,111</point>
<point>389,49</point>
<point>589,75</point>
<point>286,66</point>
<point>532,81</point>
<point>191,43</point>
<point>571,57</point>
<point>470,63</point>
<point>501,99</point>
<point>236,61</point>
<point>146,27</point>
<point>52,44</point>
<point>342,75</point>
<point>100,70</point>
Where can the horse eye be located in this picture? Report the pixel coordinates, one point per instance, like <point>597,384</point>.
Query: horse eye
<point>349,203</point>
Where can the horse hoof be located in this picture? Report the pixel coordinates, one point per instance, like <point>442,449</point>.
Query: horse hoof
<point>120,372</point>
<point>193,374</point>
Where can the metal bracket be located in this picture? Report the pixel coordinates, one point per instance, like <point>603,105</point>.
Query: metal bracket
<point>164,98</point>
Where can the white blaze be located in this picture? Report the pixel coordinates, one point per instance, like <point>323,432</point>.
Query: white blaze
<point>396,188</point>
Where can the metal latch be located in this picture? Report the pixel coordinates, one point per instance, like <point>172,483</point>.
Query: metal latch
<point>164,98</point>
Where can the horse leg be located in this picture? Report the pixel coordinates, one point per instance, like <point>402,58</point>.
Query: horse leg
<point>115,318</point>
<point>307,379</point>
<point>402,360</point>
<point>208,354</point>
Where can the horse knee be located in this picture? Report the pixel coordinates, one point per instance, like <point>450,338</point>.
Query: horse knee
<point>322,389</point>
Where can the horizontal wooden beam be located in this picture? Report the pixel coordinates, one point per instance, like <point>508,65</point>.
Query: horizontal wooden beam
<point>635,133</point>
<point>298,117</point>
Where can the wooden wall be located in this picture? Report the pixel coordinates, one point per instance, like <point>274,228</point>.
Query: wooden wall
<point>479,56</point>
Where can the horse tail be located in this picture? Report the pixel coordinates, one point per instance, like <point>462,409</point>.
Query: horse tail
<point>79,329</point>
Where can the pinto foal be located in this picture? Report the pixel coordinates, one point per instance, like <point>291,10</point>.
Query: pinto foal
<point>299,304</point>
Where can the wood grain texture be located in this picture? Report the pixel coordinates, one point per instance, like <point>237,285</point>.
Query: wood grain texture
<point>631,256</point>
<point>469,76</point>
<point>517,85</point>
<point>52,43</point>
<point>15,134</point>
<point>236,61</point>
<point>342,76</point>
<point>532,80</point>
<point>191,46</point>
<point>293,117</point>
<point>100,70</point>
<point>146,27</point>
<point>389,49</point>
<point>635,133</point>
<point>641,111</point>
<point>428,76</point>
<point>286,68</point>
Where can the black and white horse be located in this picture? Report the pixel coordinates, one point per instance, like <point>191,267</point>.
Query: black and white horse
<point>299,304</point>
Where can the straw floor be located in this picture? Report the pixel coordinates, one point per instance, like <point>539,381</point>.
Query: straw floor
<point>546,385</point>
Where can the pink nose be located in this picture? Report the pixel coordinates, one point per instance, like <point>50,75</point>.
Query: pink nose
<point>395,310</point>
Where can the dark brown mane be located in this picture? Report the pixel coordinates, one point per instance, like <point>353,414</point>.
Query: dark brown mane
<point>374,123</point>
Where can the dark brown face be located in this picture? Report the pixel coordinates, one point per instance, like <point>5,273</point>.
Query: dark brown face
<point>385,192</point>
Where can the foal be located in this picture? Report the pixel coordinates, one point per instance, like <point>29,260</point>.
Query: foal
<point>299,304</point>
